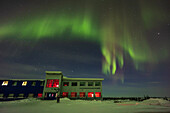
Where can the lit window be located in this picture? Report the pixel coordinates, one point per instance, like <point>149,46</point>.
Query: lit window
<point>82,83</point>
<point>82,94</point>
<point>66,84</point>
<point>97,83</point>
<point>90,83</point>
<point>98,94</point>
<point>49,83</point>
<point>56,83</point>
<point>90,94</point>
<point>73,94</point>
<point>24,83</point>
<point>39,95</point>
<point>51,95</point>
<point>65,94</point>
<point>14,84</point>
<point>74,83</point>
<point>52,83</point>
<point>5,83</point>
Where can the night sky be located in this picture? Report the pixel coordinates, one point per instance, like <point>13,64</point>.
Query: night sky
<point>126,42</point>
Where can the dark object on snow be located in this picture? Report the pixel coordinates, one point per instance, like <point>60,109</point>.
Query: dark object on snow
<point>165,98</point>
<point>117,101</point>
<point>58,99</point>
<point>146,97</point>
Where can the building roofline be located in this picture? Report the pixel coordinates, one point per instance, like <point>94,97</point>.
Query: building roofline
<point>64,78</point>
<point>25,79</point>
<point>53,72</point>
<point>83,78</point>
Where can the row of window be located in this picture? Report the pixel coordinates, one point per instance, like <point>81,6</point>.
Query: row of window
<point>64,94</point>
<point>24,83</point>
<point>55,83</point>
<point>82,84</point>
<point>22,95</point>
<point>82,94</point>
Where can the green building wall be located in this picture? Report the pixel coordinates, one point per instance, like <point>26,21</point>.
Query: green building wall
<point>70,88</point>
<point>79,88</point>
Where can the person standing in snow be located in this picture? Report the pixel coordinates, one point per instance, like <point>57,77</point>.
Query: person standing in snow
<point>58,99</point>
<point>58,96</point>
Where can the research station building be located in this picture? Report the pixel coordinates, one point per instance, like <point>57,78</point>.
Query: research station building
<point>54,85</point>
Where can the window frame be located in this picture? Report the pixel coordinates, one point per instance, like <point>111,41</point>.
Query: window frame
<point>49,83</point>
<point>65,82</point>
<point>64,93</point>
<point>73,96</point>
<point>14,83</point>
<point>98,93</point>
<point>52,83</point>
<point>33,84</point>
<point>99,83</point>
<point>73,83</point>
<point>92,94</point>
<point>55,83</point>
<point>39,95</point>
<point>1,95</point>
<point>92,83</point>
<point>30,95</point>
<point>84,94</point>
<point>84,83</point>
<point>42,83</point>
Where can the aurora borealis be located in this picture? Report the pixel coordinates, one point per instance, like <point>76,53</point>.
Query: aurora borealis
<point>124,31</point>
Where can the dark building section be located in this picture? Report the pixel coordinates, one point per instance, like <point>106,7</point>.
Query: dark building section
<point>21,88</point>
<point>54,86</point>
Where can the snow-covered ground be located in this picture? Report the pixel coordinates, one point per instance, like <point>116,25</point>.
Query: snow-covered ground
<point>84,106</point>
